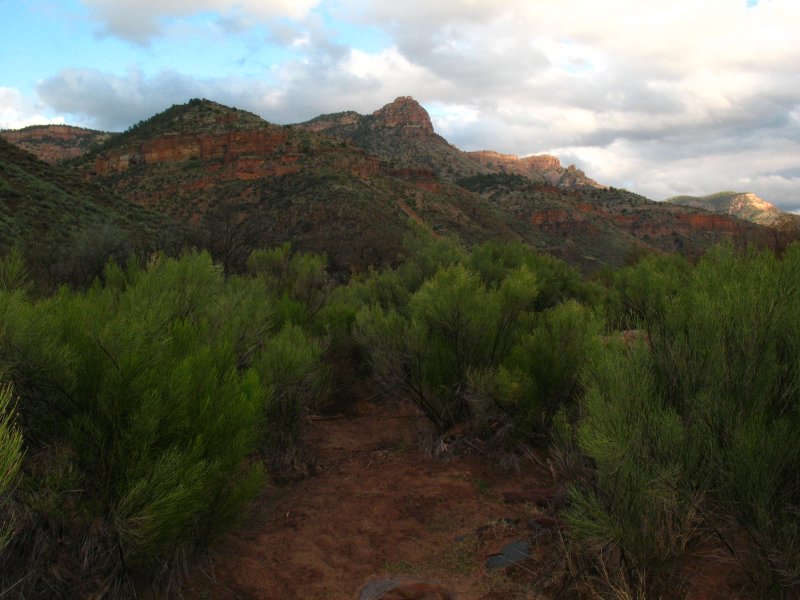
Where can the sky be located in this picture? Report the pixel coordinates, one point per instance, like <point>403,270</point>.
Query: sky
<point>658,97</point>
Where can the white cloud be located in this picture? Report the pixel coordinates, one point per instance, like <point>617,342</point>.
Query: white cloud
<point>110,102</point>
<point>141,20</point>
<point>18,110</point>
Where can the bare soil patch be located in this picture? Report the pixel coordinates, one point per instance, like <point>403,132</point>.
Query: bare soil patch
<point>378,506</point>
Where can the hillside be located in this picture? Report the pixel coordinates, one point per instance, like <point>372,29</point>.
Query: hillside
<point>743,205</point>
<point>55,143</point>
<point>591,227</point>
<point>351,185</point>
<point>402,135</point>
<point>244,183</point>
<point>67,227</point>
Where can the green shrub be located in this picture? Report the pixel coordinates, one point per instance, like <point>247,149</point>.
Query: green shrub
<point>13,273</point>
<point>138,387</point>
<point>633,507</point>
<point>556,280</point>
<point>455,324</point>
<point>300,280</point>
<point>702,425</point>
<point>551,357</point>
<point>10,459</point>
<point>290,365</point>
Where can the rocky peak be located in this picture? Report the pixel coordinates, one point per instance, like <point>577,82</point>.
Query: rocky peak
<point>405,113</point>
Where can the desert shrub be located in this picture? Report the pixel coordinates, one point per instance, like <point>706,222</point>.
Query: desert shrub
<point>141,421</point>
<point>467,344</point>
<point>423,256</point>
<point>299,280</point>
<point>697,431</point>
<point>635,302</point>
<point>633,511</point>
<point>10,459</point>
<point>545,365</point>
<point>557,281</point>
<point>13,272</point>
<point>455,324</point>
<point>290,365</point>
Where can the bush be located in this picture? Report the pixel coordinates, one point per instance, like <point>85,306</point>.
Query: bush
<point>702,427</point>
<point>133,392</point>
<point>549,359</point>
<point>10,459</point>
<point>455,324</point>
<point>290,366</point>
<point>299,280</point>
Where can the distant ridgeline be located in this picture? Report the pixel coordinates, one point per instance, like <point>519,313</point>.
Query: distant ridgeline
<point>350,185</point>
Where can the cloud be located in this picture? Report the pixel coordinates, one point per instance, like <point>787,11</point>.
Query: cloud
<point>296,91</point>
<point>105,101</point>
<point>18,110</point>
<point>141,20</point>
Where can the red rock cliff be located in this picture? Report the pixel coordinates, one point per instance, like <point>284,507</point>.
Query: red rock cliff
<point>250,147</point>
<point>511,163</point>
<point>406,113</point>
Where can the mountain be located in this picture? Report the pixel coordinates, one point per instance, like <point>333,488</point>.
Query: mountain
<point>352,185</point>
<point>590,227</point>
<point>55,143</point>
<point>743,205</point>
<point>67,227</point>
<point>242,183</point>
<point>402,135</point>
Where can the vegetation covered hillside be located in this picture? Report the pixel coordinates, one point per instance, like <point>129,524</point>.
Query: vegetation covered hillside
<point>67,228</point>
<point>241,183</point>
<point>55,143</point>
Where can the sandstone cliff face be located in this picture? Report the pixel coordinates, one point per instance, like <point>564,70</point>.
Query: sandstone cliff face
<point>55,143</point>
<point>187,164</point>
<point>255,151</point>
<point>587,217</point>
<point>511,163</point>
<point>406,114</point>
<point>701,222</point>
<point>543,167</point>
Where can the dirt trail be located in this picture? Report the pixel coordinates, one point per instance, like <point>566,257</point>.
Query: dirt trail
<point>377,507</point>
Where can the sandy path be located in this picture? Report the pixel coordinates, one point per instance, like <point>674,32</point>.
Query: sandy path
<point>378,506</point>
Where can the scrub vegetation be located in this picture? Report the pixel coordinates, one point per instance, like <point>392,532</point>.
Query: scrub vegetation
<point>139,415</point>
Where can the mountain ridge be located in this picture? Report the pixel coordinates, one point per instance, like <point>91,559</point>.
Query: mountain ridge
<point>743,205</point>
<point>350,185</point>
<point>402,133</point>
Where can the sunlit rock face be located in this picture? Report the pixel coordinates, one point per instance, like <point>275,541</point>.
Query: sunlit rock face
<point>541,166</point>
<point>745,205</point>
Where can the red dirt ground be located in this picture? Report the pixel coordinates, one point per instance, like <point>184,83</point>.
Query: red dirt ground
<point>378,506</point>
